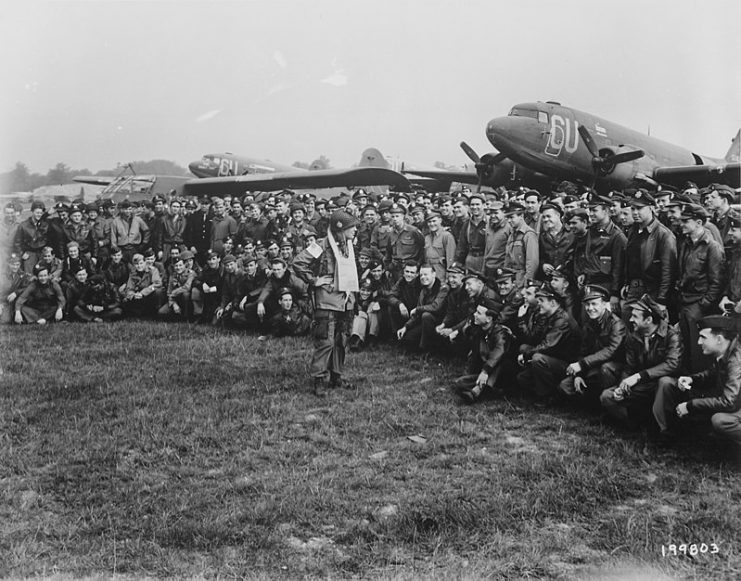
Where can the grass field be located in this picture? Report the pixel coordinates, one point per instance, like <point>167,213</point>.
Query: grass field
<point>169,450</point>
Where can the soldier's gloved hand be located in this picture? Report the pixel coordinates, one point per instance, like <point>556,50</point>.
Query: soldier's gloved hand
<point>58,315</point>
<point>18,317</point>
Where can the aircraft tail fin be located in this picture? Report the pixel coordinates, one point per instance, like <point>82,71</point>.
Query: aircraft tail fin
<point>734,153</point>
<point>372,157</point>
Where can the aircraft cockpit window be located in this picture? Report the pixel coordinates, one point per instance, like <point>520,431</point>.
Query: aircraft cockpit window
<point>542,117</point>
<point>516,112</point>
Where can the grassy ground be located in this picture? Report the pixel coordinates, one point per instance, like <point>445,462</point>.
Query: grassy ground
<point>166,450</point>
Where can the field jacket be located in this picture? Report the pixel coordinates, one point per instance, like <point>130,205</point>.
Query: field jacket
<point>717,389</point>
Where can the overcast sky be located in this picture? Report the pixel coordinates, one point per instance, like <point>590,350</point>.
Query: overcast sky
<point>91,84</point>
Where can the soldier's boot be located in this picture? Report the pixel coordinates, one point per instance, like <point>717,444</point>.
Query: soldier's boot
<point>336,382</point>
<point>320,386</point>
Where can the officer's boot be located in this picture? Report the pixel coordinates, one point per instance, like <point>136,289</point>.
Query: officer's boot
<point>320,386</point>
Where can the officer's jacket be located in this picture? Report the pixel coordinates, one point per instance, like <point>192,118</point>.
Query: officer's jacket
<point>733,276</point>
<point>472,239</point>
<point>32,236</point>
<point>252,286</point>
<point>405,292</point>
<point>197,232</point>
<point>101,228</point>
<point>311,264</point>
<point>291,281</point>
<point>701,271</point>
<point>600,257</point>
<point>118,274</point>
<point>439,251</point>
<point>173,230</point>
<point>180,284</point>
<point>221,228</point>
<point>512,303</point>
<point>209,276</point>
<point>602,340</point>
<point>55,266</point>
<point>83,235</point>
<point>71,265</point>
<point>380,236</point>
<point>717,389</point>
<point>495,249</point>
<point>522,252</point>
<point>406,244</point>
<point>531,327</point>
<point>129,233</point>
<point>41,296</point>
<point>556,249</point>
<point>486,295</point>
<point>229,287</point>
<point>662,356</point>
<point>99,296</point>
<point>13,283</point>
<point>431,300</point>
<point>657,250</point>
<point>144,282</point>
<point>561,339</point>
<point>456,307</point>
<point>73,294</point>
<point>488,347</point>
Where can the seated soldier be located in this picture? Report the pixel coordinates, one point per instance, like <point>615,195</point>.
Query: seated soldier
<point>99,301</point>
<point>456,303</point>
<point>14,280</point>
<point>713,394</point>
<point>290,320</point>
<point>491,343</point>
<point>530,321</point>
<point>141,293</point>
<point>561,284</point>
<point>601,352</point>
<point>42,300</point>
<point>403,296</point>
<point>53,263</point>
<point>231,279</point>
<point>418,333</point>
<point>477,290</point>
<point>545,363</point>
<point>74,291</point>
<point>73,263</point>
<point>205,292</point>
<point>252,284</point>
<point>190,262</point>
<point>117,272</point>
<point>280,277</point>
<point>366,322</point>
<point>179,284</point>
<point>653,349</point>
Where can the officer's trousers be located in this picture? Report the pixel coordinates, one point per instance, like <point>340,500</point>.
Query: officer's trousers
<point>331,330</point>
<point>542,375</point>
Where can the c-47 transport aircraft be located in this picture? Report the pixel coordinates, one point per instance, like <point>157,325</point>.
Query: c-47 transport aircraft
<point>539,140</point>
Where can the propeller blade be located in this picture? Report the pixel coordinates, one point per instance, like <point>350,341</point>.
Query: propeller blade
<point>625,156</point>
<point>468,150</point>
<point>588,141</point>
<point>492,160</point>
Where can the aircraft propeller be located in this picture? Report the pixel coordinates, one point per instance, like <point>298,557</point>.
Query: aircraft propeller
<point>604,161</point>
<point>484,165</point>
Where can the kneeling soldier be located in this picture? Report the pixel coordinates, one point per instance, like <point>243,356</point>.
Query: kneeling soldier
<point>290,320</point>
<point>653,350</point>
<point>601,349</point>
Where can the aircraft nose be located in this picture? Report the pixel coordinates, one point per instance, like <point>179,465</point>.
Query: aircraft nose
<point>196,169</point>
<point>500,132</point>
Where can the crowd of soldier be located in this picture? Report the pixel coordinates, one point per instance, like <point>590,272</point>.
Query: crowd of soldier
<point>629,301</point>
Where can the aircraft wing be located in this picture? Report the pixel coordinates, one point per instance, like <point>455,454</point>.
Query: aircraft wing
<point>441,175</point>
<point>325,178</point>
<point>702,175</point>
<point>94,180</point>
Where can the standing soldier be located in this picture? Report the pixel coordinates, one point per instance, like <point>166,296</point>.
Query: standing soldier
<point>650,254</point>
<point>718,199</point>
<point>32,236</point>
<point>369,217</point>
<point>382,230</point>
<point>731,302</point>
<point>495,249</point>
<point>172,230</point>
<point>522,245</point>
<point>197,232</point>
<point>555,243</point>
<point>329,268</point>
<point>439,246</point>
<point>78,230</point>
<point>8,231</point>
<point>471,241</point>
<point>405,243</point>
<point>101,229</point>
<point>128,232</point>
<point>223,226</point>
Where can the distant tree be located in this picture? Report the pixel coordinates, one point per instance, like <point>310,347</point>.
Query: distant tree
<point>321,163</point>
<point>443,165</point>
<point>160,167</point>
<point>58,175</point>
<point>19,178</point>
<point>301,165</point>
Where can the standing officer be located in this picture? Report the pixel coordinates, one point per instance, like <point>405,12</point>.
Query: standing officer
<point>129,232</point>
<point>472,238</point>
<point>497,234</point>
<point>439,245</point>
<point>651,254</point>
<point>32,236</point>
<point>329,268</point>
<point>405,244</point>
<point>555,244</point>
<point>522,245</point>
